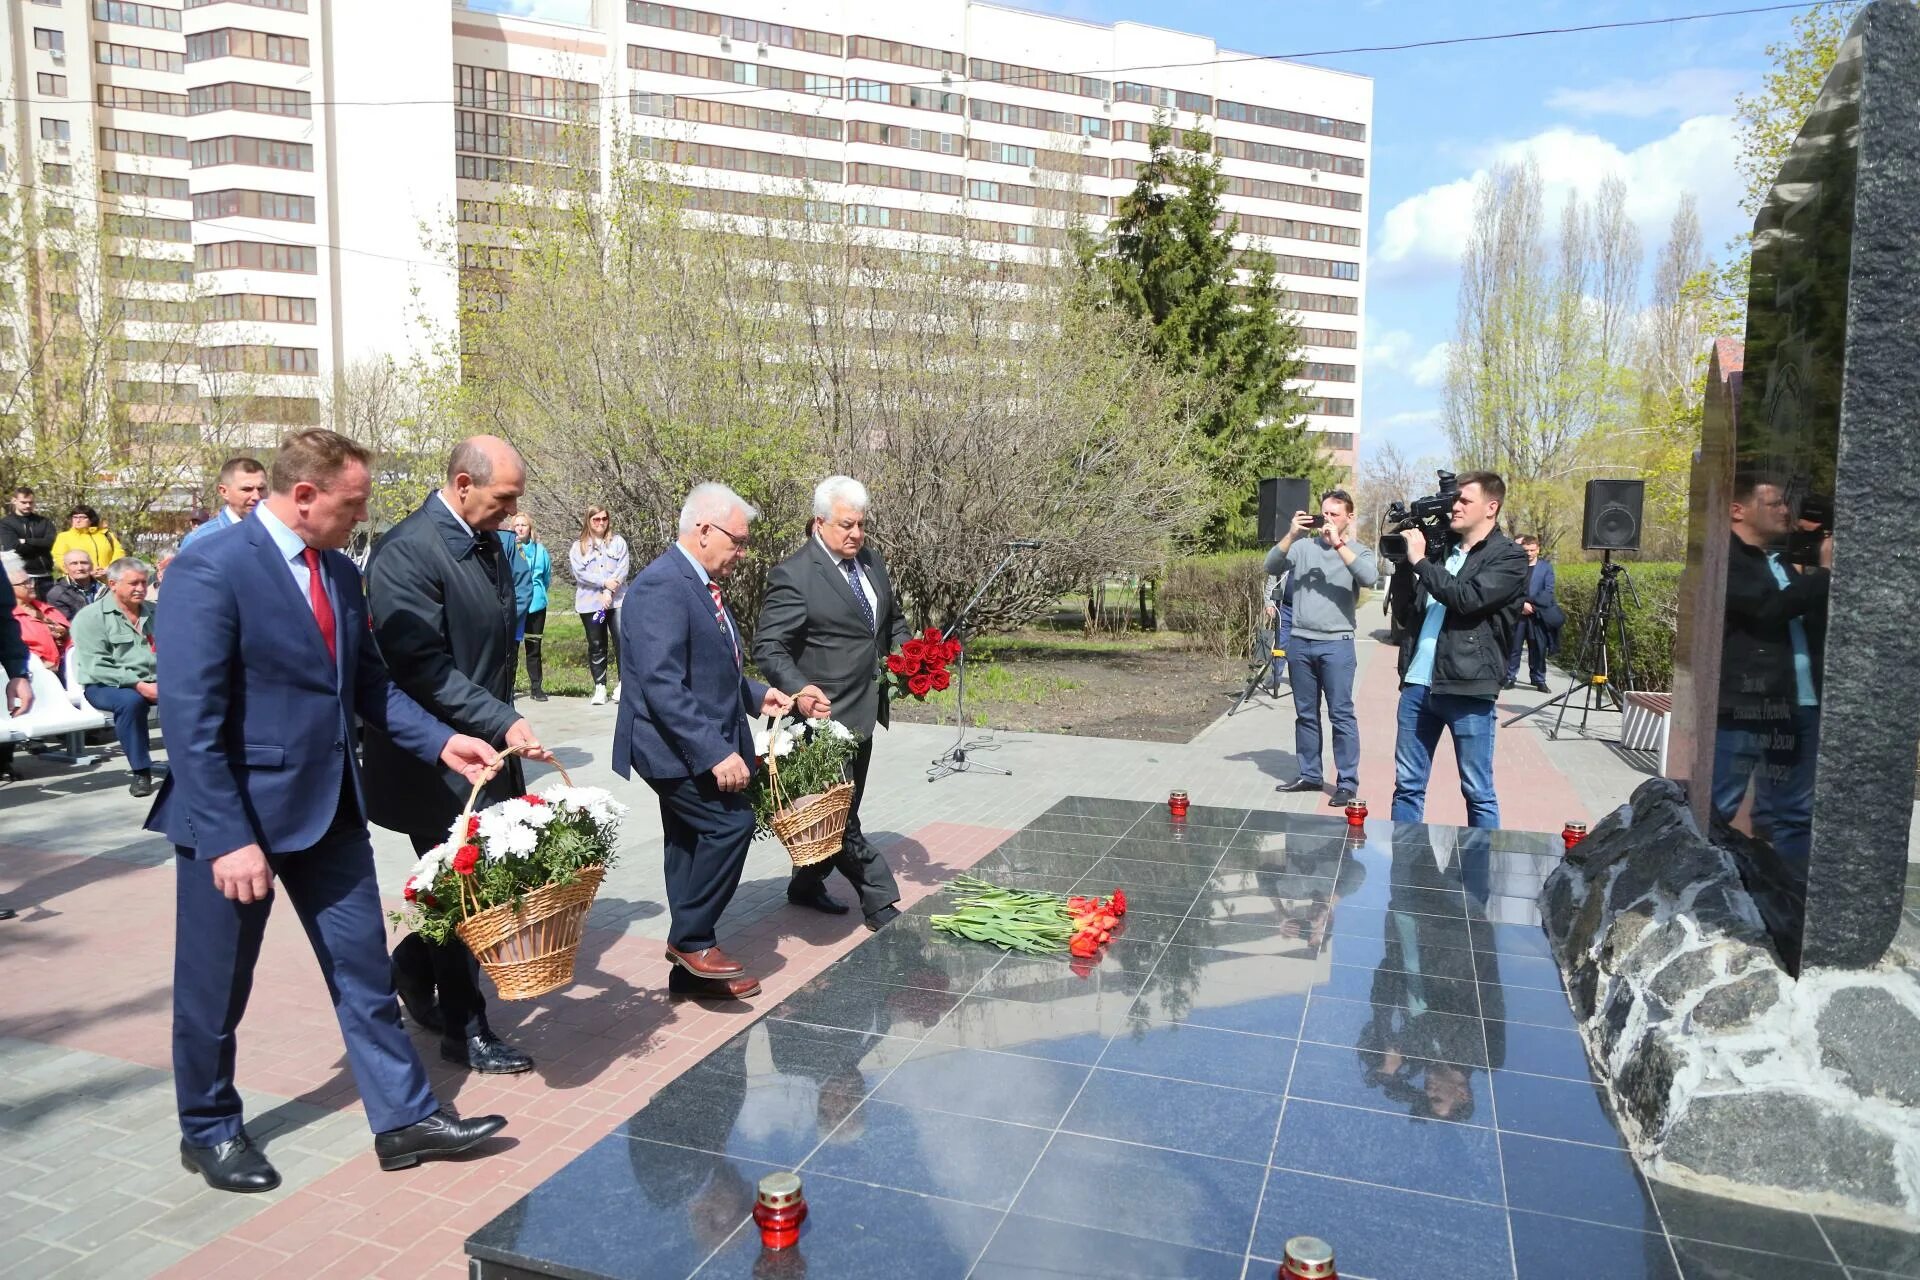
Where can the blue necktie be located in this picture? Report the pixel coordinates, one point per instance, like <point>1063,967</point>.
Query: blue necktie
<point>860,592</point>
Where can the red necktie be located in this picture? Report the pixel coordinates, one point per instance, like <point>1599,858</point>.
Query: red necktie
<point>322,607</point>
<point>720,616</point>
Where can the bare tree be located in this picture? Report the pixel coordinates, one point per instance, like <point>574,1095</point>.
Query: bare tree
<point>406,415</point>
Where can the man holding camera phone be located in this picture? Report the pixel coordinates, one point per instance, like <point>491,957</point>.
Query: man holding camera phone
<point>1328,572</point>
<point>1458,618</point>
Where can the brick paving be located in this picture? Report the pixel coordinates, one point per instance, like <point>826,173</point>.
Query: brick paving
<point>91,1174</point>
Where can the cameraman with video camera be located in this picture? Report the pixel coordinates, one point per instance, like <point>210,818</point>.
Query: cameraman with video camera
<point>1458,614</point>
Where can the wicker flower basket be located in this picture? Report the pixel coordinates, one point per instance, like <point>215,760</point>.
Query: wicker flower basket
<point>812,827</point>
<point>529,950</point>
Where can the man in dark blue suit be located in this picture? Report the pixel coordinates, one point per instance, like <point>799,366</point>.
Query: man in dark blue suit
<point>685,705</point>
<point>265,644</point>
<point>1540,620</point>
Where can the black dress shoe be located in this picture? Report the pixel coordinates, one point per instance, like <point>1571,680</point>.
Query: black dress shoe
<point>1540,686</point>
<point>1301,784</point>
<point>487,1054</point>
<point>1340,799</point>
<point>440,1134</point>
<point>416,998</point>
<point>818,900</point>
<point>142,785</point>
<point>1506,684</point>
<point>883,917</point>
<point>233,1165</point>
<point>538,694</point>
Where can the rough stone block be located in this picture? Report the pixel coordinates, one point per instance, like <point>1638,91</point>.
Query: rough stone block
<point>1787,1141</point>
<point>1626,930</point>
<point>1559,900</point>
<point>1872,1038</point>
<point>1685,974</point>
<point>1644,1083</point>
<point>1734,1004</point>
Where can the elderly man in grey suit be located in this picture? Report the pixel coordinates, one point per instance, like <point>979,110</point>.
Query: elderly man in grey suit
<point>829,620</point>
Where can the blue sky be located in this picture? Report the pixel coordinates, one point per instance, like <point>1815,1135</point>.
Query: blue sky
<point>1653,104</point>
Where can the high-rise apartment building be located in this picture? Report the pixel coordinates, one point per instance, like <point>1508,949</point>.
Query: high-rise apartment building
<point>302,164</point>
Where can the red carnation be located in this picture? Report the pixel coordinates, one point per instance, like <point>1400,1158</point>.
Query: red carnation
<point>915,652</point>
<point>530,798</point>
<point>473,827</point>
<point>410,893</point>
<point>1118,902</point>
<point>920,685</point>
<point>940,680</point>
<point>932,635</point>
<point>467,859</point>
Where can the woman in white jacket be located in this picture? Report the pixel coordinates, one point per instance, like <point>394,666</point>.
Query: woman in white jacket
<point>600,572</point>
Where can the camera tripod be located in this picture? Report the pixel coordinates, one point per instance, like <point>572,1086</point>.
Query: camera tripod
<point>1272,654</point>
<point>955,758</point>
<point>1595,680</point>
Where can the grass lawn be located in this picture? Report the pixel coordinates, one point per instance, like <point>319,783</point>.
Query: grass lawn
<point>565,651</point>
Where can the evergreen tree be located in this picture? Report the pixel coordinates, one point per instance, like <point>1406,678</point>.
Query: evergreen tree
<point>1215,315</point>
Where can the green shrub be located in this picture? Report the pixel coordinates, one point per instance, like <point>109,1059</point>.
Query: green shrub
<point>1218,599</point>
<point>1652,611</point>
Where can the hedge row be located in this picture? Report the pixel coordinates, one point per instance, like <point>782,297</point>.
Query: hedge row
<point>1652,612</point>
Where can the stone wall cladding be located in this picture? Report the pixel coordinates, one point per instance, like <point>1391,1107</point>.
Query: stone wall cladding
<point>1726,1073</point>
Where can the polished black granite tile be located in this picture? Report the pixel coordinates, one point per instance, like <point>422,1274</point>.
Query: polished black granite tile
<point>943,900</point>
<point>1386,1081</point>
<point>1540,1051</point>
<point>1547,1107</point>
<point>1146,899</point>
<point>993,1086</point>
<point>1075,824</point>
<point>836,999</point>
<point>1518,971</point>
<point>1358,982</point>
<point>1193,853</point>
<point>1034,862</point>
<point>1383,1233</point>
<point>1549,1248</point>
<point>1575,1181</point>
<point>909,953</point>
<point>1247,939</point>
<point>1198,820</point>
<point>1206,1120</point>
<point>859,1232</point>
<point>935,1153</point>
<point>1875,1248</point>
<point>1099,807</point>
<point>1081,844</point>
<point>1203,1055</point>
<point>1035,1249</point>
<point>1115,872</point>
<point>1297,855</point>
<point>1513,940</point>
<point>1381,895</point>
<point>1701,1261</point>
<point>1217,1000</point>
<point>775,1119</point>
<point>1291,885</point>
<point>1292,823</point>
<point>1401,1151</point>
<point>1075,1030</point>
<point>1144,926</point>
<point>1355,1024</point>
<point>1121,968</point>
<point>774,1046</point>
<point>1539,1008</point>
<point>1431,932</point>
<point>1144,1191</point>
<point>1695,1215</point>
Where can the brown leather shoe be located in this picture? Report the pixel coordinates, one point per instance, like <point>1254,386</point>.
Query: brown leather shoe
<point>711,962</point>
<point>682,983</point>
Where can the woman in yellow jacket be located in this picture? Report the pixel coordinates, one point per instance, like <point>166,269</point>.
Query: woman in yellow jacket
<point>86,533</point>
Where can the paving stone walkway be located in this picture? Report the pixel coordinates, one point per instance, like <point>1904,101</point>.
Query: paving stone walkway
<point>89,1162</point>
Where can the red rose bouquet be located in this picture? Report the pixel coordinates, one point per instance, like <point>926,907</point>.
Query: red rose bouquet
<point>920,665</point>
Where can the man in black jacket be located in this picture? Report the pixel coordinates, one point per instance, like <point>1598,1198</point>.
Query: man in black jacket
<point>440,591</point>
<point>1458,619</point>
<point>31,534</point>
<point>829,620</point>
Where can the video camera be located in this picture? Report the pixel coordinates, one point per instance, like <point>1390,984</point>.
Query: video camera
<point>1433,516</point>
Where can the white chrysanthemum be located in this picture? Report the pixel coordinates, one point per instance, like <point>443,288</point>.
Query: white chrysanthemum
<point>518,841</point>
<point>539,815</point>
<point>837,729</point>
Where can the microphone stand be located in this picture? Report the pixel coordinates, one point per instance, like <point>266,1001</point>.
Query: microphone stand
<point>954,759</point>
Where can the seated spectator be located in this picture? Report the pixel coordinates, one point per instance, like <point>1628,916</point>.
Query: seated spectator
<point>79,588</point>
<point>113,657</point>
<point>42,628</point>
<point>84,532</point>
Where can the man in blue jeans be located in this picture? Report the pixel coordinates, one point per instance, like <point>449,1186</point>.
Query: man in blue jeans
<point>1327,569</point>
<point>1458,616</point>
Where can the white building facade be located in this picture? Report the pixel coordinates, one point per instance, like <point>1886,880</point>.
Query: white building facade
<point>304,162</point>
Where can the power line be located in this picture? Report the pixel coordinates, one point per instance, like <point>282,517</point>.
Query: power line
<point>1223,60</point>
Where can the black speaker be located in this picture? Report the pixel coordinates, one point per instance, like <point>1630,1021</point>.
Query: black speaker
<point>1612,520</point>
<point>1280,497</point>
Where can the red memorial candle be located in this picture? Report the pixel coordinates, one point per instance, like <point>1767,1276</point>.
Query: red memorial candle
<point>1573,833</point>
<point>1308,1258</point>
<point>1177,804</point>
<point>1356,813</point>
<point>779,1210</point>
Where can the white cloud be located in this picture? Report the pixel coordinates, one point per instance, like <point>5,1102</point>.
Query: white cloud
<point>1430,370</point>
<point>1424,234</point>
<point>1680,93</point>
<point>1411,418</point>
<point>1389,350</point>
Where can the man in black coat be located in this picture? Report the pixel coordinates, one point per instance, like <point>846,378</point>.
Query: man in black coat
<point>829,620</point>
<point>26,531</point>
<point>440,589</point>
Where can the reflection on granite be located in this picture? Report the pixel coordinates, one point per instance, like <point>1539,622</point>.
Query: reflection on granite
<point>1298,1032</point>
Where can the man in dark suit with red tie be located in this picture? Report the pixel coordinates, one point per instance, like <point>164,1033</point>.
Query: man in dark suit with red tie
<point>685,703</point>
<point>829,620</point>
<point>265,660</point>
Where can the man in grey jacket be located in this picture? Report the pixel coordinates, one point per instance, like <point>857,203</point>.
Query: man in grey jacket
<point>1328,571</point>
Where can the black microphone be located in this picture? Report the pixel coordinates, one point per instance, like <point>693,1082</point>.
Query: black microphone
<point>1026,544</point>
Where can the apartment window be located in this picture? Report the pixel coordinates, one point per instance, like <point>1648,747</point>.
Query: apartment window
<point>895,135</point>
<point>259,98</point>
<point>157,101</point>
<point>147,351</point>
<point>1037,118</point>
<point>762,119</point>
<point>150,270</point>
<point>758,204</point>
<point>887,175</point>
<point>264,152</point>
<point>59,217</point>
<point>1325,268</point>
<point>1034,78</point>
<point>1269,153</point>
<point>266,308</point>
<point>700,22</point>
<point>770,163</point>
<point>911,55</point>
<point>253,204</point>
<point>1329,338</point>
<point>258,358</point>
<point>157,310</point>
<point>289,411</point>
<point>176,230</point>
<point>135,55</point>
<point>249,255</point>
<point>1003,153</point>
<point>169,393</point>
<point>1335,439</point>
<point>238,42</point>
<point>493,135</point>
<point>52,130</point>
<point>1320,372</point>
<point>1145,94</point>
<point>143,184</point>
<point>134,142</point>
<point>1299,122</point>
<point>1332,303</point>
<point>547,97</point>
<point>669,62</point>
<point>285,6</point>
<point>1198,103</point>
<point>54,42</point>
<point>1330,407</point>
<point>866,90</point>
<point>1293,193</point>
<point>50,85</point>
<point>1002,192</point>
<point>56,175</point>
<point>136,15</point>
<point>1294,229</point>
